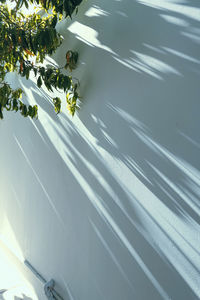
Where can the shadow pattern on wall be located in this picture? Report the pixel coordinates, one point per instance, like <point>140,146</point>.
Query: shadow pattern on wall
<point>110,198</point>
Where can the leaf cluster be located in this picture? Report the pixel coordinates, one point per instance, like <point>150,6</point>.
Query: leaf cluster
<point>10,100</point>
<point>23,36</point>
<point>61,7</point>
<point>24,42</point>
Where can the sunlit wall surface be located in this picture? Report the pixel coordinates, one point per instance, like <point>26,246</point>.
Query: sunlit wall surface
<point>107,203</point>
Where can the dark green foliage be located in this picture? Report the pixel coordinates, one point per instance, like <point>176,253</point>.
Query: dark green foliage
<point>9,100</point>
<point>63,7</point>
<point>24,43</point>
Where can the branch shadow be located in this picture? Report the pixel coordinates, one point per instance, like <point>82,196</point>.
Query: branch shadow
<point>118,186</point>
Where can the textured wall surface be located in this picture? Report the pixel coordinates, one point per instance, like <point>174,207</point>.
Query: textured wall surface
<point>107,203</point>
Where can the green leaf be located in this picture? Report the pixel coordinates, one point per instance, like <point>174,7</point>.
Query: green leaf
<point>27,73</point>
<point>39,82</point>
<point>1,112</point>
<point>35,71</point>
<point>57,104</point>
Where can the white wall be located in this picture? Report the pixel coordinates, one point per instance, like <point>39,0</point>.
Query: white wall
<point>107,202</point>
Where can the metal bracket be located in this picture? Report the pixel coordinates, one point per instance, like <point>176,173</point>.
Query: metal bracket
<point>50,293</point>
<point>48,289</point>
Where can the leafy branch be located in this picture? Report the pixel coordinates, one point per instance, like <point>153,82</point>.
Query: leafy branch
<point>10,100</point>
<point>25,41</point>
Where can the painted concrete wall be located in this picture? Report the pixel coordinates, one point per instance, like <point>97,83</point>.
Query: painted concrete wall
<point>107,203</point>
